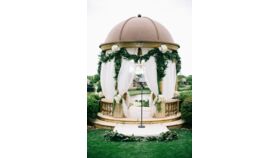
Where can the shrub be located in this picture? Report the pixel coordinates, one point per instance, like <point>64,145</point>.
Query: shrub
<point>92,106</point>
<point>167,136</point>
<point>115,136</point>
<point>186,111</point>
<point>185,94</point>
<point>94,82</point>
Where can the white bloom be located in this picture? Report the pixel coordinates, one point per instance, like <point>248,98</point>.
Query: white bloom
<point>118,98</point>
<point>109,52</point>
<point>115,48</point>
<point>100,94</point>
<point>163,48</point>
<point>161,98</point>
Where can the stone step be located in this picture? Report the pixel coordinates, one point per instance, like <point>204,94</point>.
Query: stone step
<point>110,125</point>
<point>107,118</point>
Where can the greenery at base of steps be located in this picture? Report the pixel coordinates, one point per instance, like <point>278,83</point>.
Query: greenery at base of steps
<point>115,136</point>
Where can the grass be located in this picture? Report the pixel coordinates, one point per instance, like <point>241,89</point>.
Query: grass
<point>137,92</point>
<point>97,147</point>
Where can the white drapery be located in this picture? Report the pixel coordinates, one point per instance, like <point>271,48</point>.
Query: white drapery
<point>125,77</point>
<point>169,80</point>
<point>107,80</point>
<point>150,74</point>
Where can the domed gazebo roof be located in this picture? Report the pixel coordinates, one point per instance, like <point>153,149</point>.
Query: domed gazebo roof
<point>139,32</point>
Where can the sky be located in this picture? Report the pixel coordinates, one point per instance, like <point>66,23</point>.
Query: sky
<point>175,15</point>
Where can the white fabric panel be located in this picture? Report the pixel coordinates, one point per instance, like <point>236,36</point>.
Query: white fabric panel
<point>146,50</point>
<point>125,78</point>
<point>110,81</point>
<point>150,74</point>
<point>126,75</point>
<point>132,50</point>
<point>107,73</point>
<point>103,78</point>
<point>153,107</point>
<point>169,80</point>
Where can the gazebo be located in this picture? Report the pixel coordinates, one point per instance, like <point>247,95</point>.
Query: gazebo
<point>139,46</point>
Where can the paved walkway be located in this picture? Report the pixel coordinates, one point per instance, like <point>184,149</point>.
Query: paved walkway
<point>149,130</point>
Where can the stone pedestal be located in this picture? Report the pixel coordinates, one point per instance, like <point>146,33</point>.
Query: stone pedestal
<point>118,111</point>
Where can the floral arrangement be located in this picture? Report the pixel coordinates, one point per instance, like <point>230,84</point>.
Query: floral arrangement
<point>157,101</point>
<point>100,94</point>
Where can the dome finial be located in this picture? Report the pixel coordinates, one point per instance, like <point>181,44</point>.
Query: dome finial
<point>139,15</point>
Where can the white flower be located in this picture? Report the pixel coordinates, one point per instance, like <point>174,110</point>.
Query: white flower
<point>115,48</point>
<point>109,52</point>
<point>163,48</point>
<point>161,98</point>
<point>176,94</point>
<point>100,94</point>
<point>118,98</point>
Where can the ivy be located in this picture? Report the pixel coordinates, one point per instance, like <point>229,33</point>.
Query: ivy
<point>160,58</point>
<point>161,63</point>
<point>118,62</point>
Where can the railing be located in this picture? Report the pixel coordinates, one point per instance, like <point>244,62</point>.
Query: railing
<point>106,107</point>
<point>171,107</point>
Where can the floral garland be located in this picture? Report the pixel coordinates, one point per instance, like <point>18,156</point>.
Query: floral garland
<point>117,100</point>
<point>162,55</point>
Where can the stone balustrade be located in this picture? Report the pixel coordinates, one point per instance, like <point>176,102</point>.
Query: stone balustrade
<point>168,108</point>
<point>106,107</point>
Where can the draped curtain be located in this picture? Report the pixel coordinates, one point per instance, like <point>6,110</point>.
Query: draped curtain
<point>125,77</point>
<point>169,80</point>
<point>107,80</point>
<point>150,74</point>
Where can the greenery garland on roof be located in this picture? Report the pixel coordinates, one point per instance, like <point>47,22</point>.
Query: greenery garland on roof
<point>161,60</point>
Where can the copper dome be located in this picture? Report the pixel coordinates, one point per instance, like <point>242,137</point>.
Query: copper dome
<point>137,30</point>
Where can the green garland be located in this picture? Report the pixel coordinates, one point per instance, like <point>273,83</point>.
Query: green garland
<point>100,62</point>
<point>161,60</point>
<point>118,63</point>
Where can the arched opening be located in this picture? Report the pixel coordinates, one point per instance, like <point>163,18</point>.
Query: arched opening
<point>138,93</point>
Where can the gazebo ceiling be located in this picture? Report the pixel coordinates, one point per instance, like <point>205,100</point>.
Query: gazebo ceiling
<point>139,32</point>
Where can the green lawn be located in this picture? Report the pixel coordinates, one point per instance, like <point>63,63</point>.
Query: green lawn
<point>97,147</point>
<point>137,92</point>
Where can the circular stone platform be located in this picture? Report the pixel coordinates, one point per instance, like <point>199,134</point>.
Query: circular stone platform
<point>109,122</point>
<point>132,129</point>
